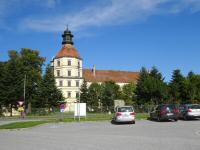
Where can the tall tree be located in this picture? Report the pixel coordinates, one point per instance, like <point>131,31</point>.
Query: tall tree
<point>94,93</point>
<point>48,94</point>
<point>128,93</point>
<point>84,92</point>
<point>141,90</point>
<point>110,92</point>
<point>2,87</point>
<point>156,74</point>
<point>13,80</point>
<point>191,92</point>
<point>32,67</point>
<point>151,88</point>
<point>177,86</point>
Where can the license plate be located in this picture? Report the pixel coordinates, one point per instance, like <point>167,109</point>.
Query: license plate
<point>169,114</point>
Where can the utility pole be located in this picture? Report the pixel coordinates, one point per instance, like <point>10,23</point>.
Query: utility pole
<point>25,92</point>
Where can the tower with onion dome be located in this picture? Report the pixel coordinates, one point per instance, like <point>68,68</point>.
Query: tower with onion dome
<point>68,70</point>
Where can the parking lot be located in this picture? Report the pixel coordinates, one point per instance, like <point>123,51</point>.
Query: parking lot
<point>144,135</point>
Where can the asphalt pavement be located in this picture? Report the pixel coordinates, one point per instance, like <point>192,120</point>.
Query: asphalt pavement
<point>144,135</point>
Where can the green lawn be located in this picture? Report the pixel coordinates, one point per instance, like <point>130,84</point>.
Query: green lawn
<point>64,118</point>
<point>17,125</point>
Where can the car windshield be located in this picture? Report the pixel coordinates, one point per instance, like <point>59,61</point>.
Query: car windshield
<point>194,107</point>
<point>169,107</point>
<point>125,109</point>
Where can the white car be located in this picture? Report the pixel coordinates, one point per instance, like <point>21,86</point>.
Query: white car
<point>189,111</point>
<point>124,114</point>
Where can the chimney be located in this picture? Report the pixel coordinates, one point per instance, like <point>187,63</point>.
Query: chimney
<point>94,70</point>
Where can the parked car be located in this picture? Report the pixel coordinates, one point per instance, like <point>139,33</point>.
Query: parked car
<point>165,112</point>
<point>189,111</point>
<point>124,114</point>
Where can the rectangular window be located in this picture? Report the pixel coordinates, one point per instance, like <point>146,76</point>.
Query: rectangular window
<point>78,73</point>
<point>58,63</point>
<point>69,83</point>
<point>69,94</point>
<point>77,83</point>
<point>61,83</point>
<point>69,63</point>
<point>69,73</point>
<point>58,73</point>
<point>77,94</point>
<point>78,64</point>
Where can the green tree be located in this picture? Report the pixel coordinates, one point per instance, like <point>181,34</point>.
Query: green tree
<point>32,67</point>
<point>110,92</point>
<point>13,81</point>
<point>191,92</point>
<point>156,74</point>
<point>177,87</point>
<point>142,97</point>
<point>84,92</point>
<point>2,87</point>
<point>128,93</point>
<point>151,88</point>
<point>48,94</point>
<point>94,93</point>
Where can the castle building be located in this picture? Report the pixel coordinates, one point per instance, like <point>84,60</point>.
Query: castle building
<point>69,73</point>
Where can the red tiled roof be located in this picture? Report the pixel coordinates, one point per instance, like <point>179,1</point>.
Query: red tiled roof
<point>68,51</point>
<point>110,75</point>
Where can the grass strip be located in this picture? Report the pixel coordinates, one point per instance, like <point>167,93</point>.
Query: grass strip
<point>18,125</point>
<point>90,117</point>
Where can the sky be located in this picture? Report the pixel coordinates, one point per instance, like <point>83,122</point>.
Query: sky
<point>110,34</point>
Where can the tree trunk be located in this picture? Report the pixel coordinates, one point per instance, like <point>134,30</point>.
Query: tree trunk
<point>28,108</point>
<point>11,106</point>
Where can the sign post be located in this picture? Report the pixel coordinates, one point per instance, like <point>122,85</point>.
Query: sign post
<point>79,110</point>
<point>62,110</point>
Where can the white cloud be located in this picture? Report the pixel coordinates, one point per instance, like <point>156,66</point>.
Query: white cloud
<point>102,13</point>
<point>114,12</point>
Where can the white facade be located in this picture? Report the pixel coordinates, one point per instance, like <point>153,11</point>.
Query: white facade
<point>68,75</point>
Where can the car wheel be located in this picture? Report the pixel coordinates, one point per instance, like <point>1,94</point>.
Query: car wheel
<point>159,119</point>
<point>185,117</point>
<point>176,119</point>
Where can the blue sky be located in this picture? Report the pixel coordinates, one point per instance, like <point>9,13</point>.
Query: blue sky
<point>111,34</point>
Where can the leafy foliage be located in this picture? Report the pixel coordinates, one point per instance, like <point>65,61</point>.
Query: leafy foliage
<point>26,63</point>
<point>48,93</point>
<point>128,93</point>
<point>110,92</point>
<point>84,92</point>
<point>151,88</point>
<point>94,93</point>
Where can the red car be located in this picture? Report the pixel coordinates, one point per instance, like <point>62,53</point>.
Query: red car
<point>165,112</point>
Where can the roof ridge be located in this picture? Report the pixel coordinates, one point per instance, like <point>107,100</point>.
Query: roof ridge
<point>113,70</point>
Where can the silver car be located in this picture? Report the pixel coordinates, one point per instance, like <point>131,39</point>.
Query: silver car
<point>189,111</point>
<point>124,114</point>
